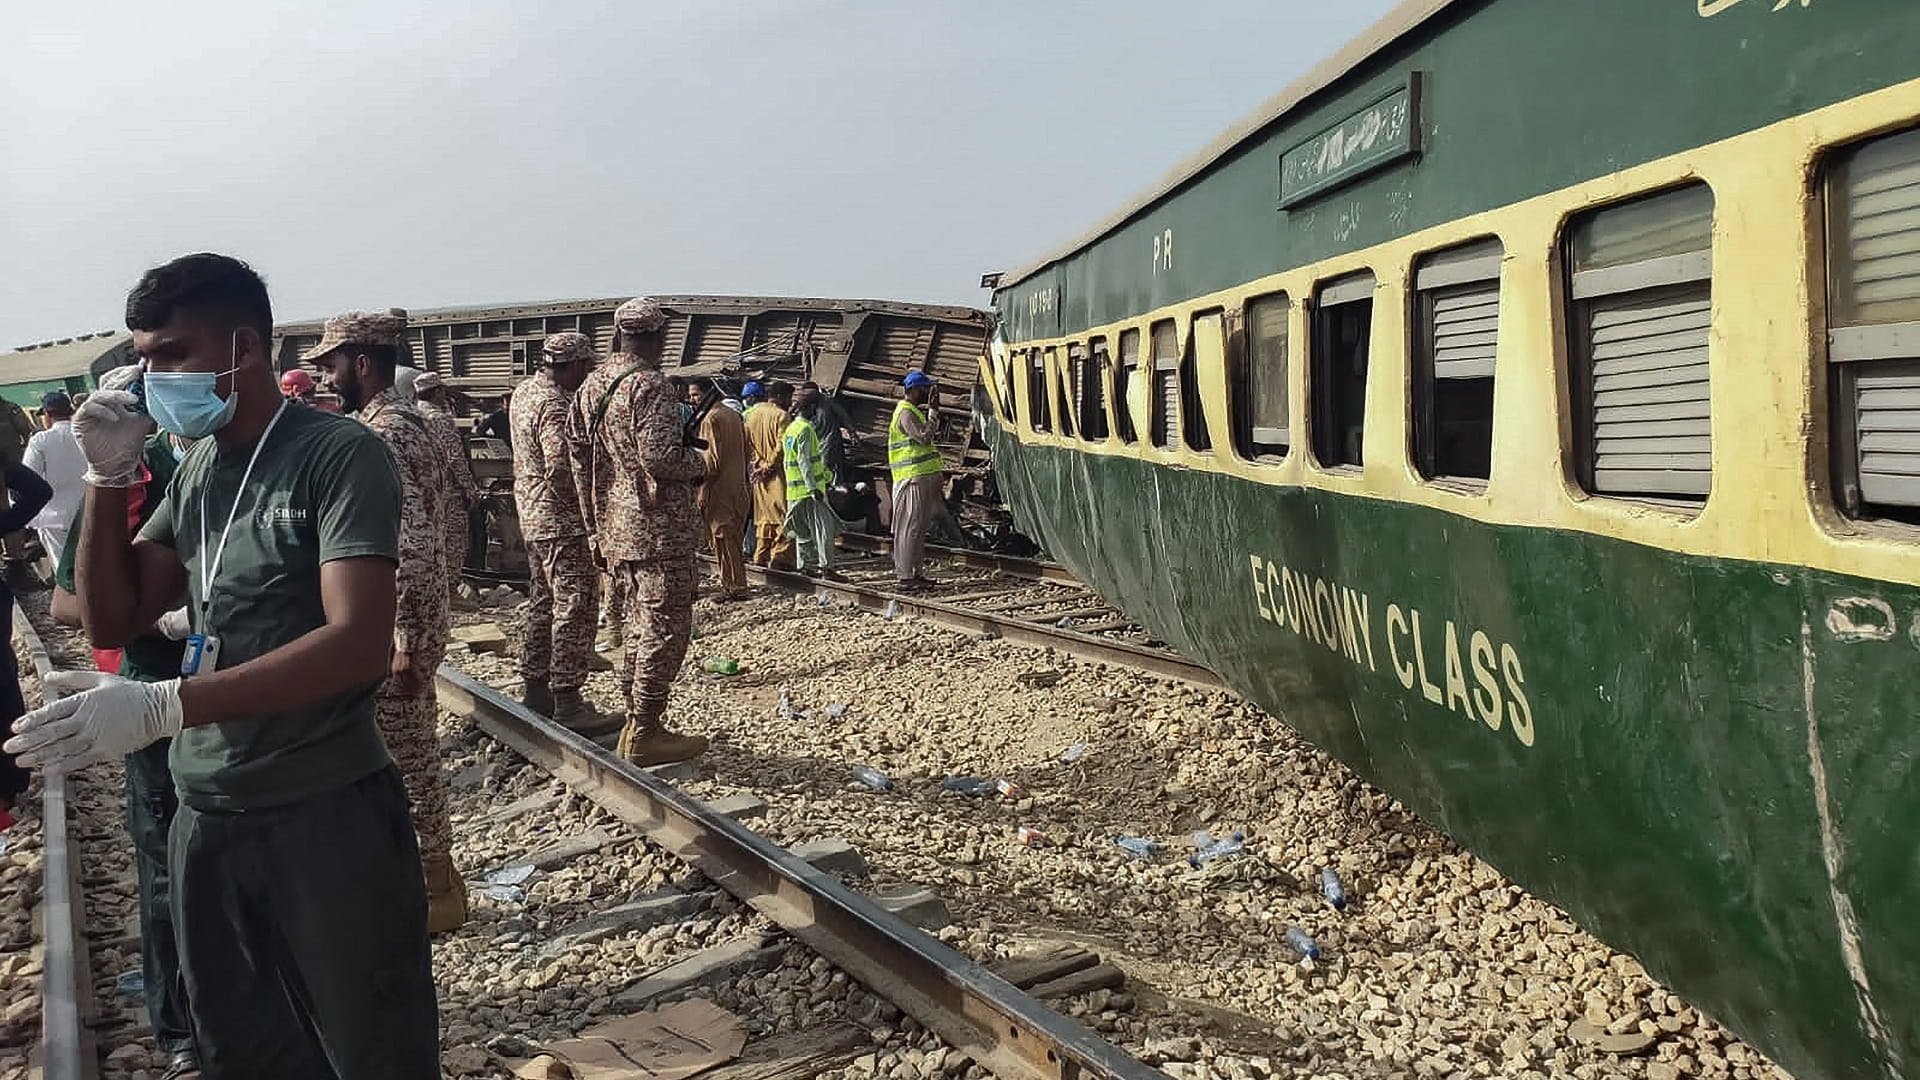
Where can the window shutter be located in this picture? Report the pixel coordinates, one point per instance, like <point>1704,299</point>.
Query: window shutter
<point>1651,431</point>
<point>1888,419</point>
<point>1465,324</point>
<point>1880,270</point>
<point>1167,383</point>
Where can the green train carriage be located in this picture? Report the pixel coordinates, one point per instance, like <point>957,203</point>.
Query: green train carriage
<point>1526,407</point>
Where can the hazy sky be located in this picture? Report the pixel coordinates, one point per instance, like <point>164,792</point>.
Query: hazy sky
<point>378,154</point>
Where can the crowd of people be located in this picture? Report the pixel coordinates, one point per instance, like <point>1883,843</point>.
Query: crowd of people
<point>267,580</point>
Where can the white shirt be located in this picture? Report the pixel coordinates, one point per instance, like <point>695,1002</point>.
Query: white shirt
<point>55,455</point>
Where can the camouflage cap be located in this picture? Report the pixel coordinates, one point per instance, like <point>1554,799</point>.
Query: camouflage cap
<point>568,347</point>
<point>641,315</point>
<point>427,380</point>
<point>358,328</point>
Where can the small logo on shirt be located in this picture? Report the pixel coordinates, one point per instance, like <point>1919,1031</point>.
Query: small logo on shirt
<point>284,515</point>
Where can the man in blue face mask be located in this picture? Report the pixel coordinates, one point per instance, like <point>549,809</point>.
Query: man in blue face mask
<point>298,906</point>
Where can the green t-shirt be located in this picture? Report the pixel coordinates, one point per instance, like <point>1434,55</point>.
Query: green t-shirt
<point>324,488</point>
<point>149,657</point>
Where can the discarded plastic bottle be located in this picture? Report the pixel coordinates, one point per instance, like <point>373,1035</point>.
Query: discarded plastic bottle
<point>720,665</point>
<point>872,778</point>
<point>1303,943</point>
<point>1331,888</point>
<point>970,786</point>
<point>893,609</point>
<point>1138,847</point>
<point>1074,753</point>
<point>1206,848</point>
<point>786,705</point>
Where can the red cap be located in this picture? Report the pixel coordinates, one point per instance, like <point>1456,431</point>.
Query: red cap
<point>296,381</point>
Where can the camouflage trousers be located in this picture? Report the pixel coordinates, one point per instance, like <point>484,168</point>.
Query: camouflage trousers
<point>561,611</point>
<point>659,601</point>
<point>407,725</point>
<point>456,541</point>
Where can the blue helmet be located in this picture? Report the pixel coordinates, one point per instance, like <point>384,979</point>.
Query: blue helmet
<point>753,389</point>
<point>916,378</point>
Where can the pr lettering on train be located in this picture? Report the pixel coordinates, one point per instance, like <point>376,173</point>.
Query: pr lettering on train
<point>1461,669</point>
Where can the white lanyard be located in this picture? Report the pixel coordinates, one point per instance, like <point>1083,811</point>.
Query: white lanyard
<point>211,567</point>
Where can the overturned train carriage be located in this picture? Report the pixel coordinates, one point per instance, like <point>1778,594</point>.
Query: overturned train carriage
<point>1526,407</point>
<point>858,350</point>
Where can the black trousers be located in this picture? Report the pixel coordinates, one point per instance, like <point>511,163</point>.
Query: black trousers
<point>13,705</point>
<point>151,803</point>
<point>303,937</point>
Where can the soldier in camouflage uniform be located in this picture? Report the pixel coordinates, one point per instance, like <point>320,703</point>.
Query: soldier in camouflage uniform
<point>462,495</point>
<point>636,478</point>
<point>561,601</point>
<point>357,353</point>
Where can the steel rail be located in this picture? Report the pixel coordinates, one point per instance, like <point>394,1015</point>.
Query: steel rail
<point>1012,566</point>
<point>67,1049</point>
<point>992,624</point>
<point>986,1018</point>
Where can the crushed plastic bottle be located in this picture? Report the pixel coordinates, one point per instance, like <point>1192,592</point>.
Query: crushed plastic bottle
<point>872,778</point>
<point>1138,847</point>
<point>893,609</point>
<point>1303,943</point>
<point>505,894</point>
<point>970,786</point>
<point>720,665</point>
<point>1074,753</point>
<point>510,875</point>
<point>1206,848</point>
<point>1331,888</point>
<point>131,984</point>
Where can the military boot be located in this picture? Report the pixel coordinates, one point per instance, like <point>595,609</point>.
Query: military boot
<point>577,714</point>
<point>446,895</point>
<point>538,696</point>
<point>648,742</point>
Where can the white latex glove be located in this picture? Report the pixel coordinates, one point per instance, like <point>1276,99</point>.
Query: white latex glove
<point>111,435</point>
<point>174,625</point>
<point>96,717</point>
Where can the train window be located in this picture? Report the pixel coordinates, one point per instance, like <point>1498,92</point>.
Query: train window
<point>1873,342</point>
<point>1193,412</point>
<point>1641,276</point>
<point>1058,377</point>
<point>1093,391</point>
<point>1038,397</point>
<point>1259,379</point>
<point>1166,385</point>
<point>1457,318</point>
<point>1123,377</point>
<point>1342,338</point>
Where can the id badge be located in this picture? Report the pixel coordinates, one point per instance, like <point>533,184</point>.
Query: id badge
<point>202,655</point>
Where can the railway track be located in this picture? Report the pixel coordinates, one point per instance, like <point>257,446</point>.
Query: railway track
<point>1020,600</point>
<point>979,1014</point>
<point>67,1050</point>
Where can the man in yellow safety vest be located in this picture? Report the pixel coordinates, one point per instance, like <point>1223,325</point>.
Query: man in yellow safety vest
<point>810,521</point>
<point>914,461</point>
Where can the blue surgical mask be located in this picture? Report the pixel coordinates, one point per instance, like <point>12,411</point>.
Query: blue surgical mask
<point>187,403</point>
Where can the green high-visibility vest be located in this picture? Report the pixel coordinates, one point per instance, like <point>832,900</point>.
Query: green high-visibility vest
<point>906,457</point>
<point>799,439</point>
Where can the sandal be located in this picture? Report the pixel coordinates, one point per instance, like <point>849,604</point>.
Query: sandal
<point>182,1065</point>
